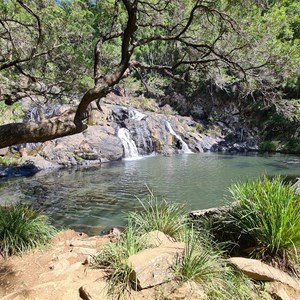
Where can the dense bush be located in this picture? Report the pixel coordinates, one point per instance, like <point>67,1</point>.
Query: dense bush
<point>22,229</point>
<point>268,146</point>
<point>292,146</point>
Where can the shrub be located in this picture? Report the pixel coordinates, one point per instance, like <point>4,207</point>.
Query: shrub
<point>292,146</point>
<point>158,214</point>
<point>268,146</point>
<point>22,229</point>
<point>267,213</point>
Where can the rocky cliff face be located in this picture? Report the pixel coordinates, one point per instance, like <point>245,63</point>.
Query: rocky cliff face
<point>128,128</point>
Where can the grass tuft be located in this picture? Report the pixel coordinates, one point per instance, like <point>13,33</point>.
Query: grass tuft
<point>268,214</point>
<point>114,259</point>
<point>203,263</point>
<point>158,214</point>
<point>22,229</point>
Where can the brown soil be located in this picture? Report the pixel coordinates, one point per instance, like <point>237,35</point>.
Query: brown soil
<point>59,271</point>
<point>53,273</point>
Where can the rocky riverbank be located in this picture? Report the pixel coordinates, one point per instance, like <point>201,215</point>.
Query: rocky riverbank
<point>64,271</point>
<point>126,128</point>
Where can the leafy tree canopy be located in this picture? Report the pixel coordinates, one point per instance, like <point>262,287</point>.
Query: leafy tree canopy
<point>78,50</point>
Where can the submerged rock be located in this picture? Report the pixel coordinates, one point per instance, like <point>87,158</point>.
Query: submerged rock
<point>16,171</point>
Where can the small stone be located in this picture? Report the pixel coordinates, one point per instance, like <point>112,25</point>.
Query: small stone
<point>59,265</point>
<point>88,260</point>
<point>94,291</point>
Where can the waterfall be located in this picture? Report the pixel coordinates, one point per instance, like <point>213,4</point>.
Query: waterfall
<point>185,147</point>
<point>130,150</point>
<point>136,115</point>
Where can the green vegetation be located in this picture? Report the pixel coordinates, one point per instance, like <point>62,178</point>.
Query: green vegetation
<point>158,214</point>
<point>12,113</point>
<point>114,257</point>
<point>246,51</point>
<point>203,261</point>
<point>264,222</point>
<point>5,161</point>
<point>22,229</point>
<point>292,146</point>
<point>268,146</point>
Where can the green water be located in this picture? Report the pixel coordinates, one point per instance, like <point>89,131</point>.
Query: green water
<point>95,198</point>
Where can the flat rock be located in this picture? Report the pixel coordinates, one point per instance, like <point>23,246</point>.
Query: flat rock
<point>82,243</point>
<point>85,251</point>
<point>258,270</point>
<point>188,291</point>
<point>153,266</point>
<point>70,256</point>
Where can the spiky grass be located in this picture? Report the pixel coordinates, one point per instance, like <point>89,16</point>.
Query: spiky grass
<point>22,229</point>
<point>114,259</point>
<point>200,261</point>
<point>268,213</point>
<point>204,264</point>
<point>158,214</point>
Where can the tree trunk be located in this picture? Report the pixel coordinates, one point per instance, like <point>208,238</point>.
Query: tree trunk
<point>32,132</point>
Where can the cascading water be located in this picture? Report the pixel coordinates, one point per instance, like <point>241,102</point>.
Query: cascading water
<point>185,147</point>
<point>136,115</point>
<point>130,150</point>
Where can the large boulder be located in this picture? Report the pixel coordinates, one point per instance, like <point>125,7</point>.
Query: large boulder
<point>157,238</point>
<point>103,141</point>
<point>96,144</point>
<point>258,270</point>
<point>152,267</point>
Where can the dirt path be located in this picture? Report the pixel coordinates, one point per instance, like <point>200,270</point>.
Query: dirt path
<point>62,272</point>
<point>54,273</point>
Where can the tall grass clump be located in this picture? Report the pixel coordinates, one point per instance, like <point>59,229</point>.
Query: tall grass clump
<point>268,214</point>
<point>200,262</point>
<point>114,259</point>
<point>22,229</point>
<point>158,214</point>
<point>203,262</point>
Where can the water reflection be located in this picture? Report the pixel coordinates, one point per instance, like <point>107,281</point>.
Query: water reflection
<point>91,199</point>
